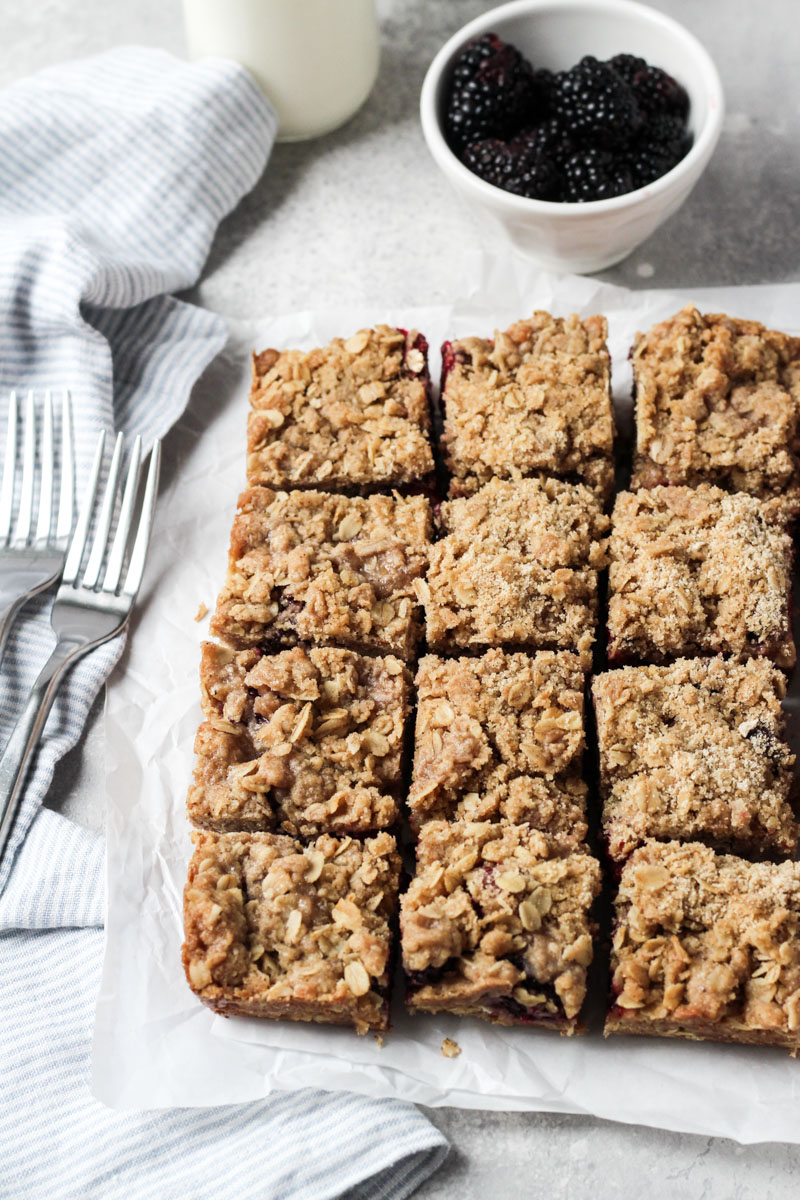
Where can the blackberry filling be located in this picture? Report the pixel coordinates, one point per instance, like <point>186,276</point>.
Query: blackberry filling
<point>767,744</point>
<point>549,1007</point>
<point>518,961</point>
<point>420,343</point>
<point>523,1015</point>
<point>449,359</point>
<point>427,487</point>
<point>418,979</point>
<point>288,605</point>
<point>489,880</point>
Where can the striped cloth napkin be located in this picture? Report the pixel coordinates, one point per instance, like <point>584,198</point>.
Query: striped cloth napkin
<point>114,174</point>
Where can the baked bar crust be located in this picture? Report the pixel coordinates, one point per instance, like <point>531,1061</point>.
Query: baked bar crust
<point>496,924</point>
<point>700,571</point>
<point>707,946</point>
<point>307,741</point>
<point>536,399</point>
<point>501,737</point>
<point>695,751</point>
<point>278,929</point>
<point>315,567</point>
<point>717,401</point>
<point>352,414</point>
<point>517,566</point>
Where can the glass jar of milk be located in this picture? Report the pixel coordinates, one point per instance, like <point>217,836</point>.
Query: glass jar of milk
<point>316,60</point>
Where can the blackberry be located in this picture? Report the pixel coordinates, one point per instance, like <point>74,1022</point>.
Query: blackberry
<point>519,167</point>
<point>544,83</point>
<point>551,139</point>
<point>595,175</point>
<point>658,92</point>
<point>492,93</point>
<point>595,104</point>
<point>627,65</point>
<point>655,90</point>
<point>472,58</point>
<point>659,147</point>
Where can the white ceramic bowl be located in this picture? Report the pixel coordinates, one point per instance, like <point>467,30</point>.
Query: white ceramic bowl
<point>556,34</point>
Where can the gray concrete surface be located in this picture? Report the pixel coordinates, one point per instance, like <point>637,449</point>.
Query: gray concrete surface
<point>363,215</point>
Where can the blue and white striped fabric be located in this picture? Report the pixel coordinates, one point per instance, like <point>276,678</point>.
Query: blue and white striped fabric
<point>114,174</point>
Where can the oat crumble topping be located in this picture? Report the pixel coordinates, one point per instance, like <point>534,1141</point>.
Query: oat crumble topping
<point>496,924</point>
<point>275,928</point>
<point>308,740</point>
<point>501,737</point>
<point>695,751</point>
<point>700,571</point>
<point>311,566</point>
<point>352,413</point>
<point>536,399</point>
<point>717,400</point>
<point>707,946</point>
<point>517,566</point>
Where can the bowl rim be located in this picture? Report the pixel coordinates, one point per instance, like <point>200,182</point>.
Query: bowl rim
<point>703,146</point>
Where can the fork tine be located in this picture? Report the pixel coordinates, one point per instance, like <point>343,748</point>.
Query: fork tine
<point>46,487</point>
<point>9,469</point>
<point>139,553</point>
<point>117,554</point>
<point>98,551</point>
<point>78,543</point>
<point>25,514</point>
<point>66,498</point>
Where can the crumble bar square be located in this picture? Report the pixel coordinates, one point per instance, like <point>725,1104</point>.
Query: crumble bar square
<point>695,752</point>
<point>315,567</point>
<point>278,929</point>
<point>496,924</point>
<point>517,566</point>
<point>707,946</point>
<point>535,400</point>
<point>717,400</point>
<point>310,740</point>
<point>501,737</point>
<point>352,414</point>
<point>700,571</point>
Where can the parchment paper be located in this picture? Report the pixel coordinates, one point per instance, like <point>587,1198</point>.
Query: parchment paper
<point>155,1045</point>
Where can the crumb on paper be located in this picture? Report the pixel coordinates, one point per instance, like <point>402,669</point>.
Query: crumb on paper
<point>379,1040</point>
<point>450,1049</point>
<point>201,612</point>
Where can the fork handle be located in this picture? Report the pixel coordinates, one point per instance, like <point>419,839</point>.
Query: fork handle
<point>7,614</point>
<point>26,733</point>
<point>11,602</point>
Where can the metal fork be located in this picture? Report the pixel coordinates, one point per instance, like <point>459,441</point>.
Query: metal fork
<point>85,612</point>
<point>28,566</point>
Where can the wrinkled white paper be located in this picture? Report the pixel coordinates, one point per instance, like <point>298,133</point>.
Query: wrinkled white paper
<point>155,1045</point>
